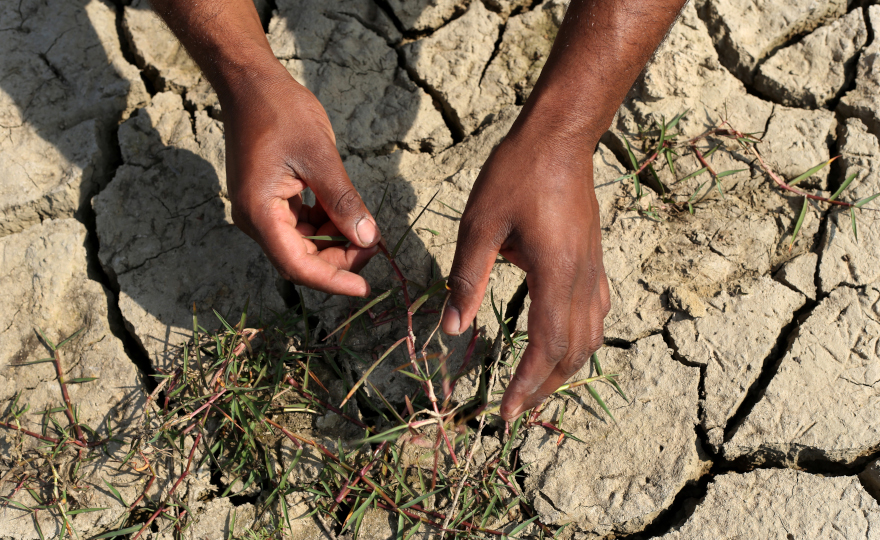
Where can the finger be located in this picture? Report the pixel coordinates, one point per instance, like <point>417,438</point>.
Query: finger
<point>296,204</point>
<point>475,254</point>
<point>305,229</point>
<point>343,204</point>
<point>549,338</point>
<point>351,259</point>
<point>290,254</point>
<point>328,229</point>
<point>317,214</point>
<point>585,338</point>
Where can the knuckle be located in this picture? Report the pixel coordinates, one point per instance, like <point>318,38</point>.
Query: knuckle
<point>462,282</point>
<point>556,348</point>
<point>596,340</point>
<point>347,201</point>
<point>574,363</point>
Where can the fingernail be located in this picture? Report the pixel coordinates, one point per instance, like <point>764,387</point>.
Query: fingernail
<point>452,321</point>
<point>367,232</point>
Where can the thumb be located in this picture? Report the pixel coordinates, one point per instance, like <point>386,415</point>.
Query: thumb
<point>475,255</point>
<point>344,205</point>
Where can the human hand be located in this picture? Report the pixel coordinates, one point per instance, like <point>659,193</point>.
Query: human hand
<point>534,203</point>
<point>279,142</point>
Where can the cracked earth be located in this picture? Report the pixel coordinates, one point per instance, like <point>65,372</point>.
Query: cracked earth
<point>753,369</point>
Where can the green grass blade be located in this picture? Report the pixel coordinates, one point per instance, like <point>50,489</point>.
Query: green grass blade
<point>457,211</point>
<point>852,215</point>
<point>694,196</point>
<point>674,122</point>
<point>610,379</point>
<point>40,361</point>
<point>498,316</point>
<point>411,375</point>
<point>48,342</point>
<point>522,525</point>
<point>693,174</point>
<point>662,134</point>
<point>82,380</point>
<point>382,202</point>
<point>712,151</point>
<point>622,177</point>
<point>432,290</point>
<point>866,200</point>
<point>387,435</point>
<point>120,532</point>
<point>668,154</point>
<point>728,173</point>
<point>83,511</point>
<point>632,157</point>
<point>800,221</point>
<point>78,332</point>
<point>596,364</point>
<point>718,186</point>
<point>363,310</point>
<point>115,493</point>
<point>354,516</point>
<point>327,238</point>
<point>411,225</point>
<point>370,370</point>
<point>413,531</point>
<point>812,171</point>
<point>599,400</point>
<point>421,498</point>
<point>843,186</point>
<point>223,321</point>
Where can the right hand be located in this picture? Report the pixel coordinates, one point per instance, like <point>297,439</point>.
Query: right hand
<point>278,143</point>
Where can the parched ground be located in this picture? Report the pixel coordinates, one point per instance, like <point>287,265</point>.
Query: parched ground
<point>753,368</point>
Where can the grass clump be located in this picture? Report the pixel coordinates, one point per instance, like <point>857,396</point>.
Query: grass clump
<point>239,396</point>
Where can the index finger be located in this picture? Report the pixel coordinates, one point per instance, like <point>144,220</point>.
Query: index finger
<point>291,255</point>
<point>549,321</point>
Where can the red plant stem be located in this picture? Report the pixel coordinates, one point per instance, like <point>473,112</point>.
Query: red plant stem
<point>411,346</point>
<point>346,488</point>
<point>206,405</point>
<point>173,488</point>
<point>703,161</point>
<point>26,432</point>
<point>286,433</point>
<point>650,160</point>
<point>50,439</point>
<point>66,396</point>
<point>507,482</point>
<point>409,514</point>
<point>783,185</point>
<point>16,490</point>
<point>143,494</point>
<point>234,423</point>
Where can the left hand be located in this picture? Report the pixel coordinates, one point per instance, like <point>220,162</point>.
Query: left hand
<point>534,203</point>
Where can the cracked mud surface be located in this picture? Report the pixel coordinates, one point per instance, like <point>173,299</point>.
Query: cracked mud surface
<point>752,368</point>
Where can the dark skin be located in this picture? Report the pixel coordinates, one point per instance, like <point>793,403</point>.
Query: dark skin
<point>533,201</point>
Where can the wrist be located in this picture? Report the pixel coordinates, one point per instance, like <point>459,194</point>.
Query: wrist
<point>550,125</point>
<point>248,72</point>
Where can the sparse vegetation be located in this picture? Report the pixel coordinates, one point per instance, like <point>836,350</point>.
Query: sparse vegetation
<point>661,144</point>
